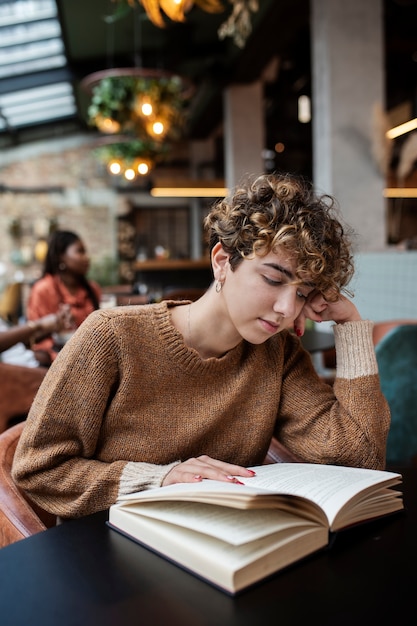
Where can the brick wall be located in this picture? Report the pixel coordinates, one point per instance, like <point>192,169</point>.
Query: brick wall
<point>83,203</point>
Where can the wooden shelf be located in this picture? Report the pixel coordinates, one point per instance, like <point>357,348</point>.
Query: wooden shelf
<point>157,265</point>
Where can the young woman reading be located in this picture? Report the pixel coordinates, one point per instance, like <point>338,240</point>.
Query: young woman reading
<point>145,396</point>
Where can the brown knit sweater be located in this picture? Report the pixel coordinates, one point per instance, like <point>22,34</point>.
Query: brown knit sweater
<point>126,399</point>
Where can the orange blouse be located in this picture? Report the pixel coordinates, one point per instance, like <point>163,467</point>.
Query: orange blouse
<point>47,295</point>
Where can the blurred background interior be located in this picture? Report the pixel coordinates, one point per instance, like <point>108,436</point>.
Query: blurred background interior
<point>123,122</point>
<point>237,87</point>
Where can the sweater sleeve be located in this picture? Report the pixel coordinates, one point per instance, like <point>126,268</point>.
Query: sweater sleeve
<point>57,460</point>
<point>140,476</point>
<point>348,423</point>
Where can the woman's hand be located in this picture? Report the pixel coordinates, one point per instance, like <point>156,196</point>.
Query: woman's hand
<point>54,322</point>
<point>318,309</point>
<point>64,318</point>
<point>195,469</point>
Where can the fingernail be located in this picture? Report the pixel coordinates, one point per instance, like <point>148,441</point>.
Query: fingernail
<point>252,472</point>
<point>298,332</point>
<point>234,480</point>
<point>197,477</point>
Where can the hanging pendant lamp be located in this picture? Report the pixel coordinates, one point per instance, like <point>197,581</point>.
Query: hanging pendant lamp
<point>237,26</point>
<point>175,10</point>
<point>147,104</point>
<point>130,158</point>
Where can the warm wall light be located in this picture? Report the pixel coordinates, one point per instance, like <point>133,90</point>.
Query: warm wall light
<point>304,109</point>
<point>175,187</point>
<point>402,129</point>
<point>400,192</point>
<point>189,192</point>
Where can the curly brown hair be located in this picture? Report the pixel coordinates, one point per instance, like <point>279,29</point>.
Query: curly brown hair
<point>282,210</point>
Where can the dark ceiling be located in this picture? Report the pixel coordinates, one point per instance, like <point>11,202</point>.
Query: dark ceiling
<point>193,49</point>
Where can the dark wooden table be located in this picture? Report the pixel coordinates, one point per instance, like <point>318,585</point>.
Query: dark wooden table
<point>83,573</point>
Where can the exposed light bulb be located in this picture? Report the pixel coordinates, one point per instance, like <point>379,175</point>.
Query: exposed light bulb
<point>147,109</point>
<point>143,168</point>
<point>114,167</point>
<point>107,124</point>
<point>158,128</point>
<point>130,174</point>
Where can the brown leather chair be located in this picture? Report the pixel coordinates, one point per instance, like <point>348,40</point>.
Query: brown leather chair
<point>19,517</point>
<point>278,453</point>
<point>18,386</point>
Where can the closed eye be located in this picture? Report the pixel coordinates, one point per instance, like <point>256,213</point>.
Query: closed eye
<point>270,281</point>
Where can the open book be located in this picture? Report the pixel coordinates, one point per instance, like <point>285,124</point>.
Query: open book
<point>235,535</point>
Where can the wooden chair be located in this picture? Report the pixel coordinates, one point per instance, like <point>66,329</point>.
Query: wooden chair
<point>20,517</point>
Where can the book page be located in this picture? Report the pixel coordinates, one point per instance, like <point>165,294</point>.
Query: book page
<point>329,486</point>
<point>234,526</point>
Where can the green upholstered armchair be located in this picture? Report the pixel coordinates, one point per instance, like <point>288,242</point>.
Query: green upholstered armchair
<point>396,354</point>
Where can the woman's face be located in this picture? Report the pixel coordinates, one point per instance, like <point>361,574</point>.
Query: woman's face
<point>262,296</point>
<point>76,258</point>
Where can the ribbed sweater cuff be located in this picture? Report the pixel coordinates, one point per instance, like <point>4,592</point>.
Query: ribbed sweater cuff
<point>141,476</point>
<point>355,353</point>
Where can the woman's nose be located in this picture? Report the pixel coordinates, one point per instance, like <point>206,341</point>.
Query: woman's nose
<point>286,302</point>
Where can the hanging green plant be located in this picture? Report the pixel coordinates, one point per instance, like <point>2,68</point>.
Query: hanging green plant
<point>129,151</point>
<point>145,107</point>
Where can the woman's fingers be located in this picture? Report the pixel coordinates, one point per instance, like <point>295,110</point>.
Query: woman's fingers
<point>204,467</point>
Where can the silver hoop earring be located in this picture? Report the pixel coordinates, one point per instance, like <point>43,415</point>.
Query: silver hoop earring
<point>219,286</point>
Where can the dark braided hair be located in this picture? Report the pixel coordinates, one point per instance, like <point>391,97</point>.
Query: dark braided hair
<point>58,243</point>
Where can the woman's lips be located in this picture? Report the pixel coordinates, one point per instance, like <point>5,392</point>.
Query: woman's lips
<point>270,327</point>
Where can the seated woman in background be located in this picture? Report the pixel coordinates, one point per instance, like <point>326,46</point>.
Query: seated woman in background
<point>151,395</point>
<point>64,283</point>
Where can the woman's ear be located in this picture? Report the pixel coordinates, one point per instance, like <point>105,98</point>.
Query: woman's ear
<point>219,261</point>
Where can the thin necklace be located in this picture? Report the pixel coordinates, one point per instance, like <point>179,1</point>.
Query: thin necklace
<point>190,341</point>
